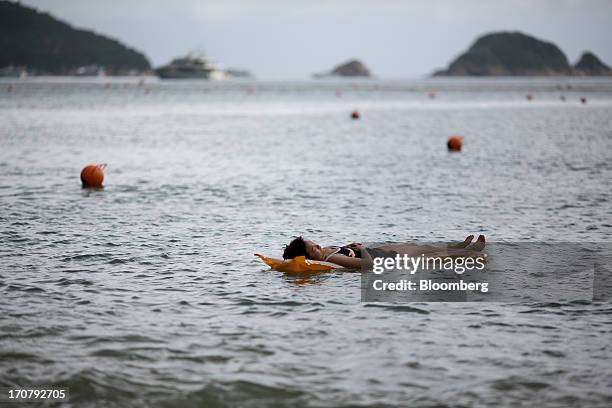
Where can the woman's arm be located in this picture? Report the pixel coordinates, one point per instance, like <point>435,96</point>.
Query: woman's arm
<point>351,262</point>
<point>345,261</point>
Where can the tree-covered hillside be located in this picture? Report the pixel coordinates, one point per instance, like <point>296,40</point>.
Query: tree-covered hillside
<point>44,44</point>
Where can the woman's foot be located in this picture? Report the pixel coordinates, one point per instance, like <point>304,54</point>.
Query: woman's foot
<point>479,244</point>
<point>463,244</point>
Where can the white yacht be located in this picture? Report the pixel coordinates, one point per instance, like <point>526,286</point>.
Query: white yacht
<point>194,65</point>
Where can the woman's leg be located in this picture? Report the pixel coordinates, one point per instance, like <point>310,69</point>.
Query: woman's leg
<point>452,250</point>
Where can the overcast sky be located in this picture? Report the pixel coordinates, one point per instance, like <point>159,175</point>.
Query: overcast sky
<point>291,39</point>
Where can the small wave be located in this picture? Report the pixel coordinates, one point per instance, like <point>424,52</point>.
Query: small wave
<point>398,308</point>
<point>554,353</point>
<point>290,303</point>
<point>202,359</point>
<point>514,383</point>
<point>115,261</point>
<point>121,354</point>
<point>21,357</point>
<point>68,282</point>
<point>84,256</point>
<point>30,289</point>
<point>128,338</point>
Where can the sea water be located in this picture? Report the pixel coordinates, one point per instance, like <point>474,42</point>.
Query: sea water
<point>146,292</point>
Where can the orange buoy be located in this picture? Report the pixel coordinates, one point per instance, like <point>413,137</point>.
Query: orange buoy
<point>529,97</point>
<point>92,175</point>
<point>355,114</point>
<point>454,143</point>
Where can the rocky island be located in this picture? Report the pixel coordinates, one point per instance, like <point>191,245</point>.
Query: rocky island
<point>509,54</point>
<point>39,44</point>
<point>352,68</point>
<point>590,65</point>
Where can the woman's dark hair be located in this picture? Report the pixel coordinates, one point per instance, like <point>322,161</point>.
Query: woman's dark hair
<point>297,247</point>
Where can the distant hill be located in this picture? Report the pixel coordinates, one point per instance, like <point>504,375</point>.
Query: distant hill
<point>509,54</point>
<point>352,68</point>
<point>45,45</point>
<point>589,64</point>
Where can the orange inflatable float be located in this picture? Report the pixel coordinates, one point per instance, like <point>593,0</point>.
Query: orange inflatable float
<point>299,264</point>
<point>92,175</point>
<point>454,143</point>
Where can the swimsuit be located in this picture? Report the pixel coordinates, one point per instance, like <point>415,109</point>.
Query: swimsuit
<point>351,253</point>
<point>346,251</point>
